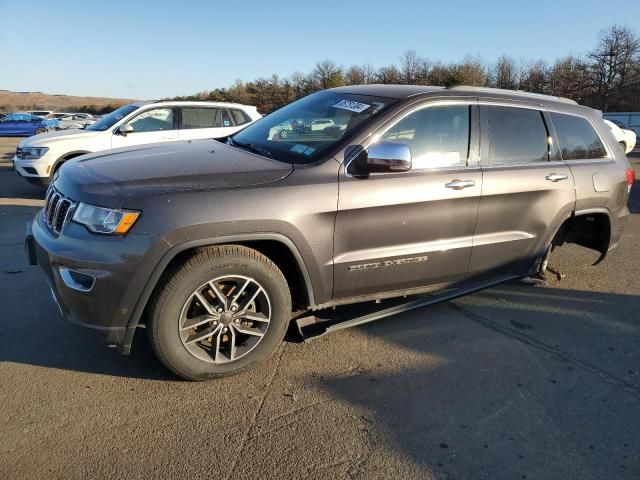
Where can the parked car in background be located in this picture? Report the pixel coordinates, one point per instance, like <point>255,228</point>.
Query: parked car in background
<point>72,120</point>
<point>215,247</point>
<point>25,125</point>
<point>625,138</point>
<point>626,120</point>
<point>37,159</point>
<point>40,113</point>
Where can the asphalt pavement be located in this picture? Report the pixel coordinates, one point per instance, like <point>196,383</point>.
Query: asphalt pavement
<point>516,382</point>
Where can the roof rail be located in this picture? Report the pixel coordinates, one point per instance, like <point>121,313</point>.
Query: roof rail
<point>466,88</point>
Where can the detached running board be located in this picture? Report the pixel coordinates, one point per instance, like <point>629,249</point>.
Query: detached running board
<point>338,318</point>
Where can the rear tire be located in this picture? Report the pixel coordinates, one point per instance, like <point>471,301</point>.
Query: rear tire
<point>188,287</point>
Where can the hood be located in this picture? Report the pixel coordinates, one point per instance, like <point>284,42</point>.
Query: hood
<point>112,178</point>
<point>44,139</point>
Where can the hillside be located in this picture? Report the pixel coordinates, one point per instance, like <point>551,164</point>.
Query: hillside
<point>15,101</point>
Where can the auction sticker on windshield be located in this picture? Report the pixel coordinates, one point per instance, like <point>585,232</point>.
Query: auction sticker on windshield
<point>351,106</point>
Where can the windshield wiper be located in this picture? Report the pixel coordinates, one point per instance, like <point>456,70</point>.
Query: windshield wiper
<point>250,147</point>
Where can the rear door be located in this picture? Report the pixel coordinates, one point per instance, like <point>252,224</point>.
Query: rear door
<point>527,190</point>
<point>153,125</point>
<point>406,230</point>
<point>600,181</point>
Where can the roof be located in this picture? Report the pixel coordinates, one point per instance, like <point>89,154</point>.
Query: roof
<point>404,91</point>
<point>193,103</point>
<point>389,91</point>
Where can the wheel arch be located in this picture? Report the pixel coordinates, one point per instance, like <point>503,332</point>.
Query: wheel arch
<point>67,156</point>
<point>589,228</point>
<point>277,247</point>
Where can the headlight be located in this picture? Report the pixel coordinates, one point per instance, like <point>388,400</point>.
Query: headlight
<point>105,220</point>
<point>31,153</point>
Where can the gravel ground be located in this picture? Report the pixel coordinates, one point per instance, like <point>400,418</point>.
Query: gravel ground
<point>516,382</point>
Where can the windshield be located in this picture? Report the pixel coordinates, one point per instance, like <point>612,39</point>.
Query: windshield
<point>303,131</point>
<point>109,120</point>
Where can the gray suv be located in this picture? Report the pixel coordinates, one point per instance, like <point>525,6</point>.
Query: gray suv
<point>409,190</point>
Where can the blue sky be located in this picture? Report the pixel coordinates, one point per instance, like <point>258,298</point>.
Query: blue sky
<point>145,49</point>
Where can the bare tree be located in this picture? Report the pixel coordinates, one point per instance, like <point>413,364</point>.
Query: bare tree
<point>354,75</point>
<point>608,77</point>
<point>389,74</point>
<point>569,78</point>
<point>504,73</point>
<point>535,77</point>
<point>612,61</point>
<point>470,72</point>
<point>411,65</point>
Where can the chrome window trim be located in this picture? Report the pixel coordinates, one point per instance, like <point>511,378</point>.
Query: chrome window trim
<point>374,137</point>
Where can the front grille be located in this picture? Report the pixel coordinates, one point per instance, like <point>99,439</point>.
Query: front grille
<point>57,208</point>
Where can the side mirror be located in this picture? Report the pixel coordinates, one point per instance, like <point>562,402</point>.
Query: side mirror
<point>383,157</point>
<point>125,129</point>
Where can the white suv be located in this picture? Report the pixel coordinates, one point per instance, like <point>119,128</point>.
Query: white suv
<point>37,158</point>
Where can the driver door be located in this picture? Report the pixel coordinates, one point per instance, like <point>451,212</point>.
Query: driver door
<point>408,230</point>
<point>153,125</point>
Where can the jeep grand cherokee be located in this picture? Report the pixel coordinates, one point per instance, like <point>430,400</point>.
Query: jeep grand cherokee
<point>215,247</point>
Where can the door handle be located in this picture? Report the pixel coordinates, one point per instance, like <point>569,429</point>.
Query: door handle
<point>556,177</point>
<point>458,184</point>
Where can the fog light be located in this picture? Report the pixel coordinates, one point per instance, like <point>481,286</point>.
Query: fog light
<point>77,280</point>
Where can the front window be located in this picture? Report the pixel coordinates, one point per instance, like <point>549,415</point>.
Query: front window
<point>154,120</point>
<point>17,117</point>
<point>304,131</point>
<point>438,136</point>
<point>111,119</point>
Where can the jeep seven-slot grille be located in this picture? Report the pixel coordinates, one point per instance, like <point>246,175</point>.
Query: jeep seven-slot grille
<point>56,209</point>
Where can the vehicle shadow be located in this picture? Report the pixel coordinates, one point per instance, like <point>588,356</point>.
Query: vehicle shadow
<point>513,382</point>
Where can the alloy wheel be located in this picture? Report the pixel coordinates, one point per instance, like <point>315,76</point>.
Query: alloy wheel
<point>225,318</point>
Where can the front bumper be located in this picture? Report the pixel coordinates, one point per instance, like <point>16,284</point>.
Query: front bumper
<point>113,264</point>
<point>35,171</point>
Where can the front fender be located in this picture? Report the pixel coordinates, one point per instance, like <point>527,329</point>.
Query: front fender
<point>173,251</point>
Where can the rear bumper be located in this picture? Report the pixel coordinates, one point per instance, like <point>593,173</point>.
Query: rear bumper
<point>619,222</point>
<point>105,303</point>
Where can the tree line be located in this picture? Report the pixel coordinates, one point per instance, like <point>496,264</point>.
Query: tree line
<point>606,77</point>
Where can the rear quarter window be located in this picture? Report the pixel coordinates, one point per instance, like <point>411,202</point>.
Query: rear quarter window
<point>577,138</point>
<point>239,117</point>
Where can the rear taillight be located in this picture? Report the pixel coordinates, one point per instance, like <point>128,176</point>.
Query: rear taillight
<point>630,173</point>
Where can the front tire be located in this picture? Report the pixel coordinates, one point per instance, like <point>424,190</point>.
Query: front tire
<point>40,130</point>
<point>223,311</point>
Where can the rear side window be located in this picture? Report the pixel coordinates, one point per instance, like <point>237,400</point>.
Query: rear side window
<point>438,136</point>
<point>516,135</point>
<point>198,117</point>
<point>577,138</point>
<point>239,116</point>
